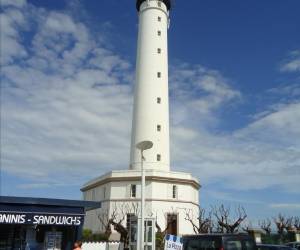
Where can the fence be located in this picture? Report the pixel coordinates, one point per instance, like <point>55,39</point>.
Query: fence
<point>102,246</point>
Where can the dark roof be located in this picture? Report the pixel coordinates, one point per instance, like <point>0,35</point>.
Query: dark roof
<point>217,235</point>
<point>49,202</point>
<point>272,245</point>
<point>166,2</point>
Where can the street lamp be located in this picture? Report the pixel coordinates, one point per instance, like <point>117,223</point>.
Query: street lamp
<point>143,145</point>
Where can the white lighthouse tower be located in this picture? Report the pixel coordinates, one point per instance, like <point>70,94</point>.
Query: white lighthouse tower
<point>169,195</point>
<point>151,101</point>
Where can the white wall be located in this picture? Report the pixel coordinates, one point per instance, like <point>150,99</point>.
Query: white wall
<point>158,203</point>
<point>102,246</point>
<point>147,113</point>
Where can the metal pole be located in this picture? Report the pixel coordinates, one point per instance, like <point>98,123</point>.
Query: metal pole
<point>143,145</point>
<point>142,202</point>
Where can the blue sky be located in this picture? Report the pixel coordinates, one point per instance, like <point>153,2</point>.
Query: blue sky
<point>67,77</point>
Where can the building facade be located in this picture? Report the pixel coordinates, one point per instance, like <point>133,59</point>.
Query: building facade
<point>41,223</point>
<point>169,195</point>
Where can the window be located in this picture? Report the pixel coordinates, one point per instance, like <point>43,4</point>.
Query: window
<point>104,192</point>
<point>174,191</point>
<point>158,157</point>
<point>158,100</point>
<point>159,50</point>
<point>248,244</point>
<point>211,243</point>
<point>93,194</point>
<point>129,217</point>
<point>159,4</point>
<point>159,18</point>
<point>158,128</point>
<point>158,74</point>
<point>133,190</point>
<point>158,32</point>
<point>233,245</point>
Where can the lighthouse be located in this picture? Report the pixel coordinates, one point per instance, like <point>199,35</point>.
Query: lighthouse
<point>151,102</point>
<point>169,195</point>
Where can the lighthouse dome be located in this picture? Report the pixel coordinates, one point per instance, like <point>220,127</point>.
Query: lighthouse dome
<point>166,2</point>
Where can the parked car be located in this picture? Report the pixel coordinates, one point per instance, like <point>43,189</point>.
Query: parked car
<point>273,247</point>
<point>294,244</point>
<point>218,242</point>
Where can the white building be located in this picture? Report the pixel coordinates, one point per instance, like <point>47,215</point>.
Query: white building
<point>169,195</point>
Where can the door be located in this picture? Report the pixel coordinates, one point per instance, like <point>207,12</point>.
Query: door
<point>172,224</point>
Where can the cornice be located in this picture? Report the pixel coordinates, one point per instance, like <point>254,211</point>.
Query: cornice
<point>137,178</point>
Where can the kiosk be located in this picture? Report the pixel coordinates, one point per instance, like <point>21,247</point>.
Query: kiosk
<point>40,223</point>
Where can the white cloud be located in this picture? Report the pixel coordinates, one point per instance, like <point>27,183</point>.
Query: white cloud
<point>286,205</point>
<point>67,112</point>
<point>66,105</point>
<point>264,154</point>
<point>291,66</point>
<point>200,91</point>
<point>10,40</point>
<point>293,63</point>
<point>13,3</point>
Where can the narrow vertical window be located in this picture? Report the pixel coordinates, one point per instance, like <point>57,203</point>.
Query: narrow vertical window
<point>129,218</point>
<point>158,100</point>
<point>158,50</point>
<point>159,4</point>
<point>158,32</point>
<point>133,190</point>
<point>104,192</point>
<point>158,157</point>
<point>174,191</point>
<point>158,128</point>
<point>159,18</point>
<point>158,74</point>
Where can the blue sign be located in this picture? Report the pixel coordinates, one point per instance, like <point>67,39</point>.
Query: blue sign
<point>40,218</point>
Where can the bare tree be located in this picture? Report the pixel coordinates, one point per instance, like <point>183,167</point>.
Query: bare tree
<point>296,223</point>
<point>160,231</point>
<point>266,226</point>
<point>160,234</point>
<point>281,223</point>
<point>168,223</point>
<point>204,223</point>
<point>247,227</point>
<point>224,222</point>
<point>289,224</point>
<point>105,223</point>
<point>116,219</point>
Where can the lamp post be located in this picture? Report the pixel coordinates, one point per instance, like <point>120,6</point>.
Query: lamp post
<point>143,145</point>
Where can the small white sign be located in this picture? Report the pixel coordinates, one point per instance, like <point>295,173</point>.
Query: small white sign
<point>173,242</point>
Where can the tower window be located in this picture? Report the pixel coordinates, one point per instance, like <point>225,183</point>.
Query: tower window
<point>158,100</point>
<point>133,190</point>
<point>174,191</point>
<point>158,32</point>
<point>104,192</point>
<point>158,157</point>
<point>159,18</point>
<point>158,74</point>
<point>158,128</point>
<point>159,50</point>
<point>159,4</point>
